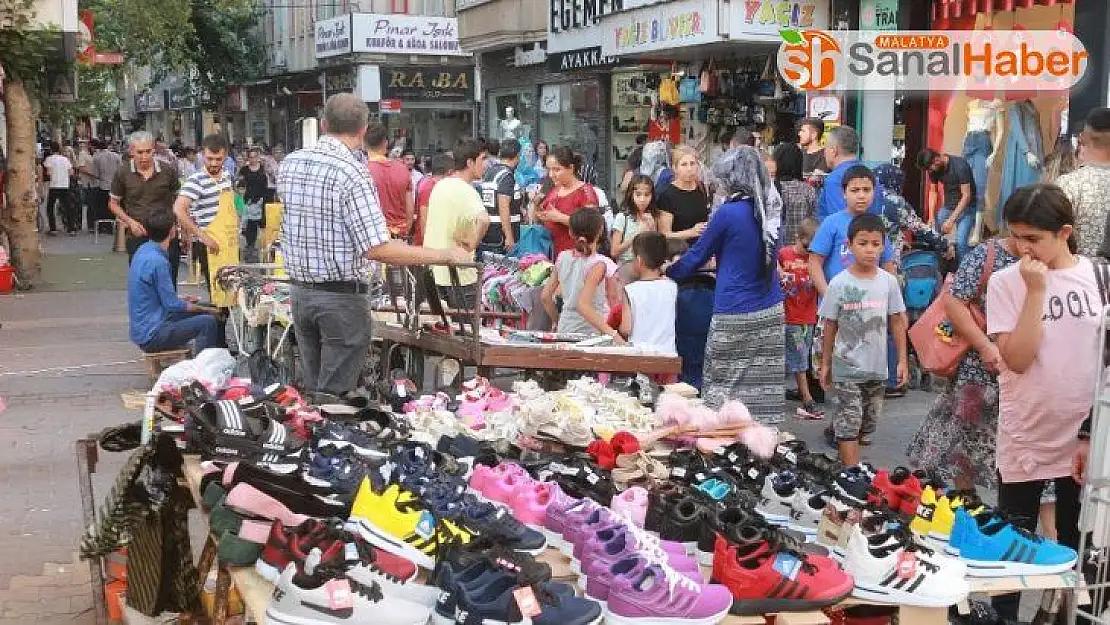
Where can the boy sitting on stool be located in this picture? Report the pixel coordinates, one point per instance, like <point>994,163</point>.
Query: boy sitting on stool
<point>160,320</point>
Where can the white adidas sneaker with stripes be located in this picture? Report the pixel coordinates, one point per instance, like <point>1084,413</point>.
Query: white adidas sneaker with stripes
<point>891,574</point>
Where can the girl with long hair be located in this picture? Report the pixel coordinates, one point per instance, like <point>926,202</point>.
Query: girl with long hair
<point>637,215</point>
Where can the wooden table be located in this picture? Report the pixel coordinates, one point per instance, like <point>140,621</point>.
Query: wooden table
<point>253,588</point>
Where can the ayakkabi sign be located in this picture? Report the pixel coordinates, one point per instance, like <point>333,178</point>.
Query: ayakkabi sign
<point>377,33</point>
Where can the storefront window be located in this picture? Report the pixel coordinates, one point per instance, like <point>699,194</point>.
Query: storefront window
<point>428,131</point>
<point>631,117</point>
<point>516,123</point>
<point>569,116</point>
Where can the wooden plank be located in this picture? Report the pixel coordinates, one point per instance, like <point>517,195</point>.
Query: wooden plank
<point>507,357</point>
<point>923,616</point>
<point>804,618</point>
<point>1004,585</point>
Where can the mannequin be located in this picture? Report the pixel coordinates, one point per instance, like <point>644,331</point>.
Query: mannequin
<point>1024,151</point>
<point>981,145</point>
<point>510,126</point>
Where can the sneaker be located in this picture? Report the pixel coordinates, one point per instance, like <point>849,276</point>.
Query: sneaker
<point>685,523</point>
<point>777,496</point>
<point>489,521</point>
<point>453,579</point>
<point>632,504</point>
<point>507,486</point>
<point>895,575</point>
<point>659,595</point>
<point>766,576</point>
<point>809,411</point>
<point>501,601</point>
<point>806,511</point>
<point>561,515</point>
<point>899,489</point>
<point>853,487</point>
<point>991,546</point>
<point>530,505</point>
<point>339,473</point>
<point>278,551</point>
<point>339,436</point>
<point>621,536</point>
<point>688,466</point>
<point>660,500</point>
<point>397,521</point>
<point>309,597</point>
<point>936,515</point>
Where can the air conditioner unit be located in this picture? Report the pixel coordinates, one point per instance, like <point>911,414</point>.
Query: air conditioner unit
<point>277,59</point>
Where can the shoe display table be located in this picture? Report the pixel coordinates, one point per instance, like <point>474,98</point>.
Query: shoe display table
<point>254,590</point>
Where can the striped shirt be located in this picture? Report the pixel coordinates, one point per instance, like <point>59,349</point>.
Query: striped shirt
<point>204,191</point>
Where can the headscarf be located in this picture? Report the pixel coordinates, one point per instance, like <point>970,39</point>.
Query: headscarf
<point>744,176</point>
<point>655,159</point>
<point>526,173</point>
<point>891,177</point>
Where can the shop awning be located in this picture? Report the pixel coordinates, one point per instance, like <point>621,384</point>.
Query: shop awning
<point>946,9</point>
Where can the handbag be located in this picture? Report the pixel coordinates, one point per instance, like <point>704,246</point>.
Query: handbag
<point>707,82</point>
<point>668,91</point>
<point>939,348</point>
<point>688,90</point>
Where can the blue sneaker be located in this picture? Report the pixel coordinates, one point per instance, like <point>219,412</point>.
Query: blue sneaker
<point>496,602</point>
<point>340,473</point>
<point>454,580</point>
<point>340,436</point>
<point>486,520</point>
<point>993,547</point>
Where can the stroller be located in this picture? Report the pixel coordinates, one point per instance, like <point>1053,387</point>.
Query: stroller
<point>922,280</point>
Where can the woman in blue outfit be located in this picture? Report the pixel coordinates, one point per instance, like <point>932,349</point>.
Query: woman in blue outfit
<point>1024,152</point>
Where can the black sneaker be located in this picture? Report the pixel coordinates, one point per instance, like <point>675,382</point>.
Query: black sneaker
<point>787,453</point>
<point>661,499</point>
<point>688,466</point>
<point>685,522</point>
<point>853,487</point>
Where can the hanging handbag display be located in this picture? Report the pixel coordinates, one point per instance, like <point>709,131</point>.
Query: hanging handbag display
<point>939,348</point>
<point>688,90</point>
<point>707,82</point>
<point>668,91</point>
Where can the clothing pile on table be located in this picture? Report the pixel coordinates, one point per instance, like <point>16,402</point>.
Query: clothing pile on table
<point>514,285</point>
<point>341,506</point>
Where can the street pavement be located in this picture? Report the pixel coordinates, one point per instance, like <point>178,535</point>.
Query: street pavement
<point>65,359</point>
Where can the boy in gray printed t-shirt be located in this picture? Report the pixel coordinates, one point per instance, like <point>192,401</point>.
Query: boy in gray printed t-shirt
<point>855,311</point>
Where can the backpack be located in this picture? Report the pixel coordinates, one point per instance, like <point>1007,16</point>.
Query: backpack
<point>535,239</point>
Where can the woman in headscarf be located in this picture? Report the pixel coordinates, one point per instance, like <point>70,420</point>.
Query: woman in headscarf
<point>655,163</point>
<point>901,218</point>
<point>744,358</point>
<point>526,172</point>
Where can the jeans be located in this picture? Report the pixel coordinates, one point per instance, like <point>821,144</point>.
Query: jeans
<point>963,228</point>
<point>203,329</point>
<point>69,214</point>
<point>891,361</point>
<point>174,254</point>
<point>1022,502</point>
<point>333,334</point>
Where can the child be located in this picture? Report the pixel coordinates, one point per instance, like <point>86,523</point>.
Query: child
<point>585,278</point>
<point>637,215</point>
<point>648,317</point>
<point>801,313</point>
<point>830,252</point>
<point>855,309</point>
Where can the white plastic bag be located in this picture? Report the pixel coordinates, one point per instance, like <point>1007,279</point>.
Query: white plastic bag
<point>214,367</point>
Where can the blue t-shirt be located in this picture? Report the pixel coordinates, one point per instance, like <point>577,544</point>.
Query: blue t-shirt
<point>831,200</point>
<point>744,285</point>
<point>831,241</point>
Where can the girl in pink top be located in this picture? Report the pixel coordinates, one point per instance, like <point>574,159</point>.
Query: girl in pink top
<point>1043,312</point>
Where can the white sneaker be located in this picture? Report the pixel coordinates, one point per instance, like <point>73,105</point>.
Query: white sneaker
<point>883,576</point>
<point>308,600</point>
<point>776,498</point>
<point>923,549</point>
<point>806,511</point>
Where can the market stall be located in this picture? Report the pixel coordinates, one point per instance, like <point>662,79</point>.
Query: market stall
<point>439,489</point>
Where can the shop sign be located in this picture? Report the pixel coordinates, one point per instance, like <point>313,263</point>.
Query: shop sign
<point>878,15</point>
<point>577,60</point>
<point>149,102</point>
<point>765,18</point>
<point>333,37</point>
<point>428,83</point>
<point>339,80</point>
<point>676,25</point>
<point>534,55</point>
<point>389,105</point>
<point>377,33</point>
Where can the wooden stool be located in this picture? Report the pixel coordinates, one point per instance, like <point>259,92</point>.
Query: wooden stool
<point>157,361</point>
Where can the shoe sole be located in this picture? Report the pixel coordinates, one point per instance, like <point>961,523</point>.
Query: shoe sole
<point>982,568</point>
<point>274,617</point>
<point>267,571</point>
<point>384,540</point>
<point>759,607</point>
<point>615,619</point>
<point>362,451</point>
<point>894,596</point>
<point>439,619</point>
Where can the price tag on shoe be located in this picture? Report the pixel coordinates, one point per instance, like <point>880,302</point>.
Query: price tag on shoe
<point>907,565</point>
<point>526,601</point>
<point>339,594</point>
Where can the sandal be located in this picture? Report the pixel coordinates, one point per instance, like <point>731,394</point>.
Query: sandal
<point>637,468</point>
<point>226,432</point>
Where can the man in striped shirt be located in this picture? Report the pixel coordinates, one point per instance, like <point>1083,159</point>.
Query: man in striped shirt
<point>199,199</point>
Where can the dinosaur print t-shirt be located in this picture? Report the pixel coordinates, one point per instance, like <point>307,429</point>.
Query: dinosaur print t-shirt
<point>860,307</point>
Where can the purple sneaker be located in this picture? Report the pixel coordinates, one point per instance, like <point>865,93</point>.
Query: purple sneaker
<point>581,528</point>
<point>558,519</point>
<point>616,541</point>
<point>661,596</point>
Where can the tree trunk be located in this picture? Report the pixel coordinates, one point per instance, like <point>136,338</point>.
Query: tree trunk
<point>21,211</point>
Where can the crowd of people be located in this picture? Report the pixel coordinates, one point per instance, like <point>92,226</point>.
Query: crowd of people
<point>755,266</point>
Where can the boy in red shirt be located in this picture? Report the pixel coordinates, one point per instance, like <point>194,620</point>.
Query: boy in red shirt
<point>801,313</point>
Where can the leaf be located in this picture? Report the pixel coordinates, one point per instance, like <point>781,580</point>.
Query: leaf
<point>791,37</point>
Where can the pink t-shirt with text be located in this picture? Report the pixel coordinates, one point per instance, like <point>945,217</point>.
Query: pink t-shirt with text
<point>1040,411</point>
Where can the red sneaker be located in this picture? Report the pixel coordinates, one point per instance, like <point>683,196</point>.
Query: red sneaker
<point>764,579</point>
<point>277,553</point>
<point>899,490</point>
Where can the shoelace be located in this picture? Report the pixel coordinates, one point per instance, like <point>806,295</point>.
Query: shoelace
<point>650,546</point>
<point>676,580</point>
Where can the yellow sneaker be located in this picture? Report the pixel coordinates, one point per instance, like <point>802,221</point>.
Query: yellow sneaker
<point>922,524</point>
<point>937,515</point>
<point>398,522</point>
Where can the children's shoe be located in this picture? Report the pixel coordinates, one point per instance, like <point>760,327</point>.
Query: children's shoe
<point>776,497</point>
<point>504,489</point>
<point>660,595</point>
<point>530,505</point>
<point>632,504</point>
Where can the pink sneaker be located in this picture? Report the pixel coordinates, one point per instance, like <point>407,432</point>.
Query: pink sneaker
<point>587,527</point>
<point>632,504</point>
<point>530,505</point>
<point>571,520</point>
<point>503,490</point>
<point>483,476</point>
<point>557,513</point>
<point>600,575</point>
